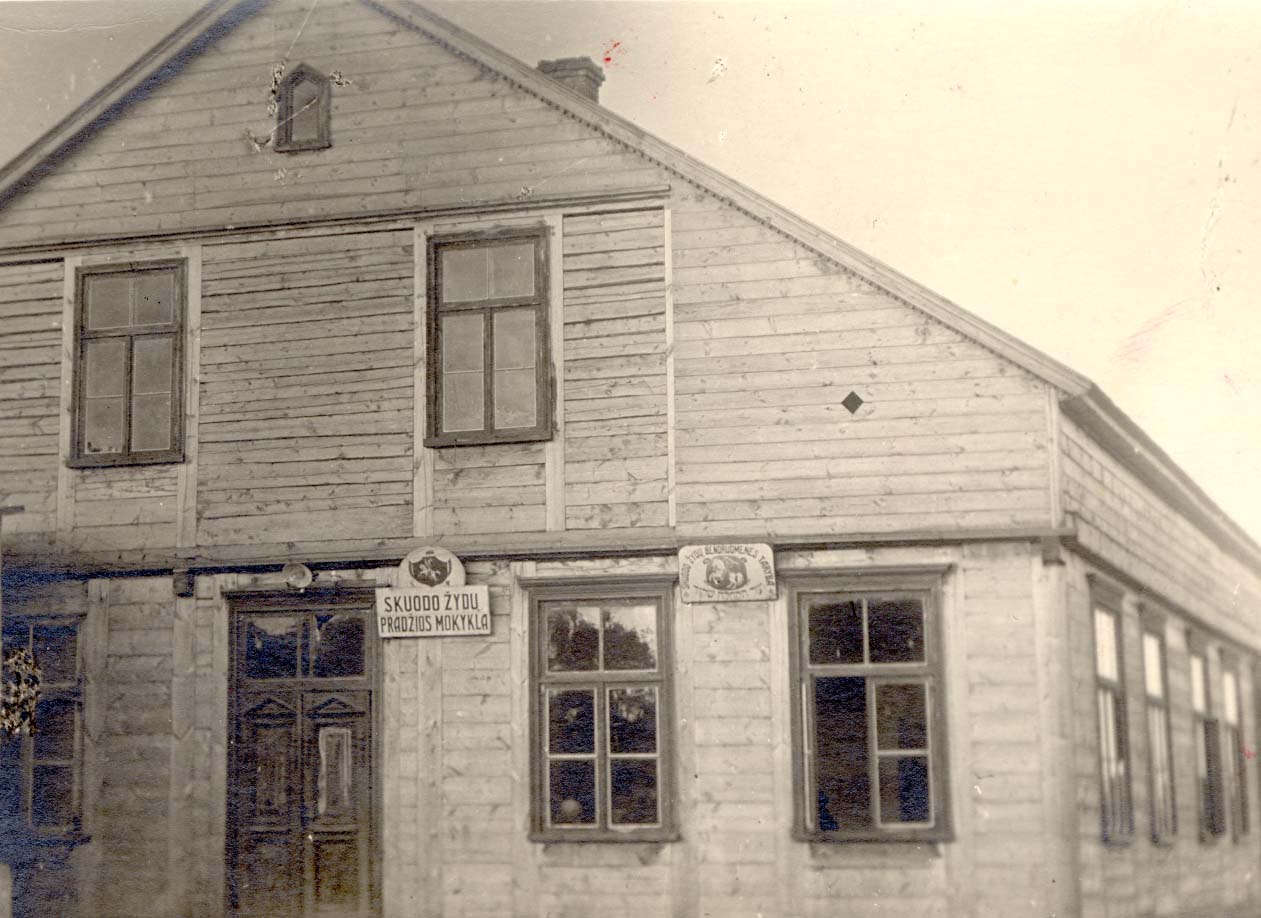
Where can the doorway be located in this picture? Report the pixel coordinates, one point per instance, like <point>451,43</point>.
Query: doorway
<point>302,783</point>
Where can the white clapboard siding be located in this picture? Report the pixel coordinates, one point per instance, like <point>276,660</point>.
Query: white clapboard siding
<point>771,340</point>
<point>616,471</point>
<point>30,392</point>
<point>306,419</point>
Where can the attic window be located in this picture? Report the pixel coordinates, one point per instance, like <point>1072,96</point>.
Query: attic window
<point>304,98</point>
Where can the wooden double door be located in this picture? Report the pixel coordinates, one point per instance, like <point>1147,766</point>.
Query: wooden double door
<point>301,816</point>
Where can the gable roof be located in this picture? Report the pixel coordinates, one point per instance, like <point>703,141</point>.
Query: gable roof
<point>1082,400</point>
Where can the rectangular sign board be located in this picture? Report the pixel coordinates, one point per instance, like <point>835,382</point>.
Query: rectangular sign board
<point>727,573</point>
<point>441,611</point>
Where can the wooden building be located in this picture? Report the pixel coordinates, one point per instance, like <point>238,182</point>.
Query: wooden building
<point>309,288</point>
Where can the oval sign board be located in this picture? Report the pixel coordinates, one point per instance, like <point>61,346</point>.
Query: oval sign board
<point>727,573</point>
<point>431,567</point>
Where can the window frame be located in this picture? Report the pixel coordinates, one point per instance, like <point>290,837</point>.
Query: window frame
<point>1206,735</point>
<point>660,590</point>
<point>79,457</point>
<point>539,301</point>
<point>71,691</point>
<point>1116,820</point>
<point>1163,830</point>
<point>284,142</point>
<point>1234,764</point>
<point>921,583</point>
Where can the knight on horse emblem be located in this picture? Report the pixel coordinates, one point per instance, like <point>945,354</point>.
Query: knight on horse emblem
<point>429,569</point>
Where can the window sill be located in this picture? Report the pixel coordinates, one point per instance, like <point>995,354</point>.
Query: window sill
<point>914,837</point>
<point>481,439</point>
<point>282,147</point>
<point>109,462</point>
<point>648,837</point>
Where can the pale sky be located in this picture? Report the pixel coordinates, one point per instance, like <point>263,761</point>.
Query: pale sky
<point>1085,175</point>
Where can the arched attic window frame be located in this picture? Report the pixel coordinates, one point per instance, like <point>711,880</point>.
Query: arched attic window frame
<point>293,99</point>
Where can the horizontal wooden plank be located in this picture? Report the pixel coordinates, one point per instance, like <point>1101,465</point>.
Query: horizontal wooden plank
<point>696,508</point>
<point>880,429</point>
<point>875,395</point>
<point>616,516</point>
<point>371,523</point>
<point>471,520</point>
<point>892,466</point>
<point>838,414</point>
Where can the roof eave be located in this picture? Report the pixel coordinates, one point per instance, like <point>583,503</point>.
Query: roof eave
<point>1130,445</point>
<point>161,61</point>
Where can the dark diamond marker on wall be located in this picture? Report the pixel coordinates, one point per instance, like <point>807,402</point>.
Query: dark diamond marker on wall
<point>852,402</point>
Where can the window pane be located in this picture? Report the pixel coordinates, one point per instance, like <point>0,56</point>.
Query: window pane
<point>150,422</point>
<point>108,300</point>
<point>463,402</point>
<point>515,334</point>
<point>305,112</point>
<point>573,637</point>
<point>516,399</point>
<point>902,716</point>
<point>103,425</point>
<point>52,795</point>
<point>840,767</point>
<point>904,794</point>
<point>151,364</point>
<point>512,269</point>
<point>572,791</point>
<point>633,791</point>
<point>155,297</point>
<point>462,343</point>
<point>1230,698</point>
<point>15,634</point>
<point>1106,644</point>
<point>895,630</point>
<point>337,646</point>
<point>463,392</point>
<point>516,382</point>
<point>463,274</point>
<point>633,720</point>
<point>104,367</point>
<point>630,637</point>
<point>54,729</point>
<point>1199,700</point>
<point>56,651</point>
<point>571,722</point>
<point>1153,672</point>
<point>836,632</point>
<point>271,646</point>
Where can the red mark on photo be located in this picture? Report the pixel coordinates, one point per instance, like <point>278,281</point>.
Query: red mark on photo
<point>1249,752</point>
<point>612,51</point>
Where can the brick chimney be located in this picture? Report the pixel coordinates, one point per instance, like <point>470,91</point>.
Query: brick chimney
<point>581,74</point>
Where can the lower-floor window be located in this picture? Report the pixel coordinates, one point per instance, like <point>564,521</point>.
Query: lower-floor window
<point>49,795</point>
<point>603,712</point>
<point>869,724</point>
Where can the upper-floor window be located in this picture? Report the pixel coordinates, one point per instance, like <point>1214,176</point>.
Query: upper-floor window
<point>128,365</point>
<point>1159,740</point>
<point>1208,755</point>
<point>1116,810</point>
<point>603,725</point>
<point>489,360</point>
<point>304,99</point>
<point>49,788</point>
<point>870,729</point>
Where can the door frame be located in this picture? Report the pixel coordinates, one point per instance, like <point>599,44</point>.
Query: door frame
<point>364,597</point>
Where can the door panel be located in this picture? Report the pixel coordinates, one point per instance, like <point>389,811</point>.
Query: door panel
<point>301,822</point>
